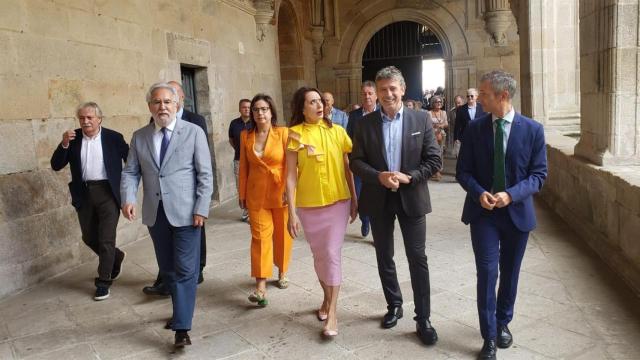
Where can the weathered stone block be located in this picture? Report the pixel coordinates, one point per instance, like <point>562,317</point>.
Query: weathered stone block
<point>27,194</point>
<point>16,146</point>
<point>46,18</point>
<point>88,27</point>
<point>47,135</point>
<point>629,230</point>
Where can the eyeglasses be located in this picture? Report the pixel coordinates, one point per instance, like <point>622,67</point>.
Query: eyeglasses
<point>262,109</point>
<point>437,102</point>
<point>471,96</point>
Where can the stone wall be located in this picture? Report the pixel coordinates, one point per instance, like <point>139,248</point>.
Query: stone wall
<point>602,204</point>
<point>461,26</point>
<point>58,53</point>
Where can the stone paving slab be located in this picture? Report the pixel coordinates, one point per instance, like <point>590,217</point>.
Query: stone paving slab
<point>570,305</point>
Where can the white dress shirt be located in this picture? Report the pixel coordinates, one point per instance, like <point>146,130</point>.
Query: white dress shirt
<point>157,137</point>
<point>91,158</point>
<point>472,111</point>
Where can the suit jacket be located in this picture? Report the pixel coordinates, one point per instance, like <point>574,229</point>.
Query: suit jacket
<point>262,180</point>
<point>184,181</point>
<point>355,116</point>
<point>420,158</point>
<point>525,168</point>
<point>463,119</point>
<point>114,152</point>
<point>194,119</point>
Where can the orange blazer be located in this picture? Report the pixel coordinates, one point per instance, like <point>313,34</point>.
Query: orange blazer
<point>262,180</point>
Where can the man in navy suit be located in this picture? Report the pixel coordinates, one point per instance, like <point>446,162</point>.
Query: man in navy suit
<point>502,164</point>
<point>96,155</point>
<point>158,287</point>
<point>465,113</point>
<point>369,104</point>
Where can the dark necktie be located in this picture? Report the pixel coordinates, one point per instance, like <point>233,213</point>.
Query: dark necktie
<point>164,145</point>
<point>498,158</point>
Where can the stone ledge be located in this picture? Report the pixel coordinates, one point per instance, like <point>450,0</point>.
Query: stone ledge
<point>602,204</point>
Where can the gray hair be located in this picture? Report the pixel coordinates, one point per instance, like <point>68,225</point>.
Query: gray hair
<point>434,98</point>
<point>500,81</point>
<point>367,83</point>
<point>162,85</point>
<point>472,90</point>
<point>392,73</point>
<point>92,105</point>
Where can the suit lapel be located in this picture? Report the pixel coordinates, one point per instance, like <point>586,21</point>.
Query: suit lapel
<point>487,132</point>
<point>77,150</point>
<point>149,140</point>
<point>407,130</point>
<point>176,138</point>
<point>379,139</point>
<point>514,136</point>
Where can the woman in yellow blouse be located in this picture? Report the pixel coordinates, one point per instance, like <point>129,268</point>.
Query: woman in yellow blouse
<point>261,191</point>
<point>320,193</point>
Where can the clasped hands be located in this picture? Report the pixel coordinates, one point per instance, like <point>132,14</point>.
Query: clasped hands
<point>393,179</point>
<point>498,200</point>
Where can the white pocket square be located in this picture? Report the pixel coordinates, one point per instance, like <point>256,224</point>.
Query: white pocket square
<point>415,133</point>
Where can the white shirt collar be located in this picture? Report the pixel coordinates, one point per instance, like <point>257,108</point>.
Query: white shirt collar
<point>179,113</point>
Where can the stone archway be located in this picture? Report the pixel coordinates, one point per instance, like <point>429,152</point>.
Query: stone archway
<point>290,54</point>
<point>460,66</point>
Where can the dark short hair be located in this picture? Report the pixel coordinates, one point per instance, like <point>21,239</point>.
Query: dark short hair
<point>243,101</point>
<point>297,106</point>
<point>272,107</point>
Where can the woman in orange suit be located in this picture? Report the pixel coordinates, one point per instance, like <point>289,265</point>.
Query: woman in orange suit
<point>262,186</point>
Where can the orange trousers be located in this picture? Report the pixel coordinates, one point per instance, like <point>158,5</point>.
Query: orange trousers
<point>270,241</point>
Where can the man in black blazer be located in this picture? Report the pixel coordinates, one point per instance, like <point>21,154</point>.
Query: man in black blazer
<point>96,155</point>
<point>465,113</point>
<point>158,287</point>
<point>369,104</point>
<point>395,152</point>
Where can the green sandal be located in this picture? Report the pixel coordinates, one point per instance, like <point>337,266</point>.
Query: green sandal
<point>258,298</point>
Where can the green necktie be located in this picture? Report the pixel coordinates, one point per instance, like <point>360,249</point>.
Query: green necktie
<point>498,158</point>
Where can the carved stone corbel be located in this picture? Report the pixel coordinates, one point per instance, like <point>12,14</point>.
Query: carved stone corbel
<point>263,17</point>
<point>497,18</point>
<point>317,38</point>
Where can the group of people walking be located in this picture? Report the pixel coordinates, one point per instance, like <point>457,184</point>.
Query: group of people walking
<point>315,176</point>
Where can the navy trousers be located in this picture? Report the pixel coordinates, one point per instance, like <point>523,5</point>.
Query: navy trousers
<point>178,255</point>
<point>497,245</point>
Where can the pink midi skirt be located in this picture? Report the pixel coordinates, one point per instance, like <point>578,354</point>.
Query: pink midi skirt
<point>324,228</point>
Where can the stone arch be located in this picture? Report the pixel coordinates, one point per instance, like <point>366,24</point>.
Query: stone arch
<point>460,66</point>
<point>290,53</point>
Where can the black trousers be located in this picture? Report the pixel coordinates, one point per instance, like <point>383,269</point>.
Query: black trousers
<point>414,231</point>
<point>98,217</point>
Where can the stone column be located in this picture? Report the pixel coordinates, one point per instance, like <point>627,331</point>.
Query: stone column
<point>550,69</point>
<point>609,68</point>
<point>348,81</point>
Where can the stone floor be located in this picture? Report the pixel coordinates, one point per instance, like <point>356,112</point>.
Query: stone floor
<point>570,306</point>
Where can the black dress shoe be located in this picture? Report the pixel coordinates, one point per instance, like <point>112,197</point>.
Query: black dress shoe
<point>505,339</point>
<point>426,333</point>
<point>390,319</point>
<point>157,288</point>
<point>169,324</point>
<point>181,339</point>
<point>117,264</point>
<point>488,351</point>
